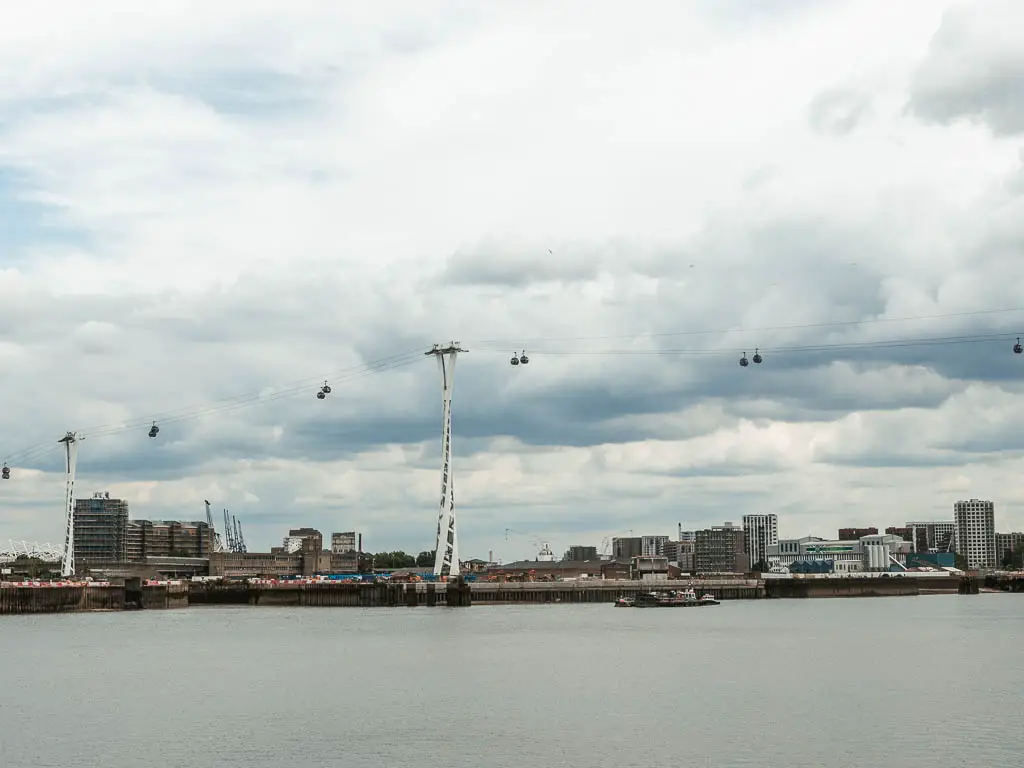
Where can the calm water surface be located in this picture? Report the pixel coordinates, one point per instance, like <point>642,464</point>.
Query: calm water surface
<point>933,681</point>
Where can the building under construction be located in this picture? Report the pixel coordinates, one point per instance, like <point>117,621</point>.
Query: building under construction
<point>104,534</point>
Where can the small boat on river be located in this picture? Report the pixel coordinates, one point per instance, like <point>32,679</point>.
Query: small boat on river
<point>685,598</point>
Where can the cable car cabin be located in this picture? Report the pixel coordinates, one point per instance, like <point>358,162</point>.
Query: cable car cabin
<point>5,473</point>
<point>743,360</point>
<point>514,360</point>
<point>1017,348</point>
<point>757,357</point>
<point>326,388</point>
<point>523,359</point>
<point>320,395</point>
<point>154,431</point>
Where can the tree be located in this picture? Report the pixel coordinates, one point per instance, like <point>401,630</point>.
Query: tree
<point>426,559</point>
<point>390,560</point>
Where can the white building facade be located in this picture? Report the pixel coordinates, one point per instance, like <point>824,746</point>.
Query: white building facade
<point>653,546</point>
<point>760,532</point>
<point>976,532</point>
<point>878,552</point>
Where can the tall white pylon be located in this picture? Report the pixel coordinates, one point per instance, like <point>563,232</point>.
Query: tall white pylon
<point>67,565</point>
<point>446,560</point>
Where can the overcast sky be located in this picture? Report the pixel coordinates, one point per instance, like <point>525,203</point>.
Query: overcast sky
<point>204,201</point>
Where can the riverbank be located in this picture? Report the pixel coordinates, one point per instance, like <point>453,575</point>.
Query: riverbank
<point>19,598</point>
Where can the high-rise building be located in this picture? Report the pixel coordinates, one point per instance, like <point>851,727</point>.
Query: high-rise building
<point>976,532</point>
<point>578,553</point>
<point>653,546</point>
<point>933,536</point>
<point>343,542</point>
<point>760,532</point>
<point>1007,543</point>
<point>681,553</point>
<point>720,549</point>
<point>100,526</point>
<point>626,548</point>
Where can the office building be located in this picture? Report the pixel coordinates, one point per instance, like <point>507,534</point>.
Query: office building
<point>100,527</point>
<point>167,538</point>
<point>976,532</point>
<point>301,540</point>
<point>681,553</point>
<point>759,532</point>
<point>347,541</point>
<point>626,548</point>
<point>720,549</point>
<point>1007,544</point>
<point>579,553</point>
<point>933,536</point>
<point>653,546</point>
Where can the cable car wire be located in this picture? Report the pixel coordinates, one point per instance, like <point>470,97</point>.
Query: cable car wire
<point>226,404</point>
<point>511,342</point>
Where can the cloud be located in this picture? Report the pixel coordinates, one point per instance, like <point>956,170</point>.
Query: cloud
<point>974,68</point>
<point>202,223</point>
<point>838,111</point>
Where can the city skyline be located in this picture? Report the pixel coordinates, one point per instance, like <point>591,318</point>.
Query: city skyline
<point>922,535</point>
<point>233,201</point>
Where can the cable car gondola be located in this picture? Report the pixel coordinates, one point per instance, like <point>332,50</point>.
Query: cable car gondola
<point>757,357</point>
<point>154,430</point>
<point>326,388</point>
<point>1017,348</point>
<point>523,359</point>
<point>5,473</point>
<point>514,360</point>
<point>743,360</point>
<point>321,395</point>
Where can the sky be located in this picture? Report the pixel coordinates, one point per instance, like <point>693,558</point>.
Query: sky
<point>207,210</point>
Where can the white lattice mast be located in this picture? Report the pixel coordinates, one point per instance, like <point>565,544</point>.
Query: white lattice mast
<point>67,565</point>
<point>446,559</point>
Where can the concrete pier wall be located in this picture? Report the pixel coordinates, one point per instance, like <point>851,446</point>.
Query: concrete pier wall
<point>896,586</point>
<point>88,597</point>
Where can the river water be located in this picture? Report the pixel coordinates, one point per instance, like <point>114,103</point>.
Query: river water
<point>888,682</point>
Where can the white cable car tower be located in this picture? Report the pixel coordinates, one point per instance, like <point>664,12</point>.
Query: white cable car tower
<point>446,560</point>
<point>67,565</point>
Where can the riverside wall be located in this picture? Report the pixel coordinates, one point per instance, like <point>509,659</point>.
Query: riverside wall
<point>851,586</point>
<point>64,598</point>
<point>134,594</point>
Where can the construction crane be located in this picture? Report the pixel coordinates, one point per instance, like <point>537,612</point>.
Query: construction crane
<point>229,533</point>
<point>234,541</point>
<point>216,545</point>
<point>239,538</point>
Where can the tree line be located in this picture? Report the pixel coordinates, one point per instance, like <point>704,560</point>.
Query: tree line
<point>399,559</point>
